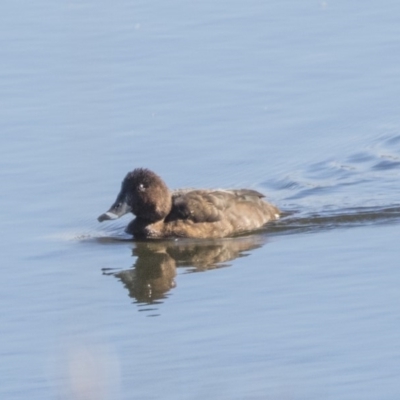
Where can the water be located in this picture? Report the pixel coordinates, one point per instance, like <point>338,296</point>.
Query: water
<point>295,99</point>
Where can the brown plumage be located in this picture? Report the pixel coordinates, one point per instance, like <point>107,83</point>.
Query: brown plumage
<point>187,213</point>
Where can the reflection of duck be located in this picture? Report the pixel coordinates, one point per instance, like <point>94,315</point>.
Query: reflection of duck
<point>187,213</point>
<point>155,268</point>
<point>152,276</point>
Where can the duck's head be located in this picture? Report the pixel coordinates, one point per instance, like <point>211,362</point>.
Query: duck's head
<point>144,194</point>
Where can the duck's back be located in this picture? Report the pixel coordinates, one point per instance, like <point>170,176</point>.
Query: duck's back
<point>217,213</point>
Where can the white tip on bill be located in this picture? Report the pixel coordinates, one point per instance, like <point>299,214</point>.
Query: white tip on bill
<point>111,215</point>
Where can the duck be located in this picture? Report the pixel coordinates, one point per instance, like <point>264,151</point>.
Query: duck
<point>162,213</point>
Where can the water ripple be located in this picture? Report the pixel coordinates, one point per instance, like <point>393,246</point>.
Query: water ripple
<point>353,189</point>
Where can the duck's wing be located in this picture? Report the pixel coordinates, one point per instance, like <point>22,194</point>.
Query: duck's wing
<point>195,205</point>
<point>207,205</point>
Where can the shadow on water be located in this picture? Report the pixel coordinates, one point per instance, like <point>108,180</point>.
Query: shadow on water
<point>358,190</point>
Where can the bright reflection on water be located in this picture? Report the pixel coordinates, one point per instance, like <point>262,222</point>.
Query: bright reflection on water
<point>296,99</point>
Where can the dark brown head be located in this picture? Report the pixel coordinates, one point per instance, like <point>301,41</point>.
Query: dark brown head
<point>144,194</point>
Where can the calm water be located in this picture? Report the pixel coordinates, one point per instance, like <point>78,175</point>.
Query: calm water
<point>296,99</point>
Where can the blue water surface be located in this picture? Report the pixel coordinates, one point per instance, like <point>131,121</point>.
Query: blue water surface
<point>296,99</point>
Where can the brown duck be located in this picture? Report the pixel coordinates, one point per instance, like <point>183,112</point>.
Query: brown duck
<point>190,213</point>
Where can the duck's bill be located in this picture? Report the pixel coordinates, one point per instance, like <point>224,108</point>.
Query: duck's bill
<point>117,210</point>
<point>107,216</point>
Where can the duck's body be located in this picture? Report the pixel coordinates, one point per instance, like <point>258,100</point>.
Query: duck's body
<point>187,213</point>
